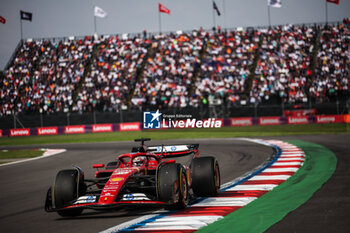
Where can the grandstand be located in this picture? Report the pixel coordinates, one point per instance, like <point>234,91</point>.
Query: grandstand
<point>220,72</point>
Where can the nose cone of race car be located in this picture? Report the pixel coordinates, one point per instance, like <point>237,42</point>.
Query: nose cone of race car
<point>114,184</point>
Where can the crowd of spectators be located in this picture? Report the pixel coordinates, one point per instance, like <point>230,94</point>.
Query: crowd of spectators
<point>284,64</point>
<point>113,73</point>
<point>333,63</point>
<point>17,77</point>
<point>44,75</point>
<point>169,70</point>
<point>100,74</point>
<point>226,65</point>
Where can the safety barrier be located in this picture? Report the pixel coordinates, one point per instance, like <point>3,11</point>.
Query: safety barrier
<point>137,126</point>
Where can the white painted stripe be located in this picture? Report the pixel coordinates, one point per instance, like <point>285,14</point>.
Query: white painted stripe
<point>286,169</point>
<point>47,153</point>
<point>201,218</point>
<point>291,155</point>
<point>225,201</point>
<point>292,152</point>
<point>287,159</point>
<point>180,223</point>
<point>286,163</point>
<point>262,177</point>
<point>257,187</point>
<point>129,223</point>
<point>290,148</point>
<point>284,145</point>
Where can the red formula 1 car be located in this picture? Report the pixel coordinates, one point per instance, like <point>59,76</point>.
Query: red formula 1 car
<point>146,176</point>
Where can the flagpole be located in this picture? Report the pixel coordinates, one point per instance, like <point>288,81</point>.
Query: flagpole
<point>21,30</point>
<point>159,22</point>
<point>214,15</point>
<point>224,6</point>
<point>269,15</point>
<point>326,12</point>
<point>95,24</point>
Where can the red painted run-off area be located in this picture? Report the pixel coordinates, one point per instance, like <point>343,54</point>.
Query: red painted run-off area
<point>137,126</point>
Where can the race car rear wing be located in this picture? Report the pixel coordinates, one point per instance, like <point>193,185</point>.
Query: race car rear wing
<point>166,150</point>
<point>174,150</point>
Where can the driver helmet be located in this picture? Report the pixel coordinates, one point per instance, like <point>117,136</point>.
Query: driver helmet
<point>138,161</point>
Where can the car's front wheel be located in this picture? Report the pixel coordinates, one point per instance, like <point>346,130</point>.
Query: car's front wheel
<point>66,189</point>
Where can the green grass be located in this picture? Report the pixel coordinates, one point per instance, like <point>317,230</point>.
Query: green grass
<point>20,154</point>
<point>225,132</point>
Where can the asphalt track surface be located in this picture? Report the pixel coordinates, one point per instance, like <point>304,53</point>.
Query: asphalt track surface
<point>24,186</point>
<point>328,211</point>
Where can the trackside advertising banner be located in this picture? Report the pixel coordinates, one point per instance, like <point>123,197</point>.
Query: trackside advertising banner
<point>153,121</point>
<point>329,119</point>
<point>133,126</point>
<point>19,132</point>
<point>298,120</point>
<point>242,121</point>
<point>99,128</point>
<point>269,120</point>
<point>347,118</point>
<point>47,131</point>
<point>74,129</point>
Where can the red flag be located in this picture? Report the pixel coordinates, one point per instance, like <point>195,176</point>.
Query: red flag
<point>163,9</point>
<point>2,20</point>
<point>333,1</point>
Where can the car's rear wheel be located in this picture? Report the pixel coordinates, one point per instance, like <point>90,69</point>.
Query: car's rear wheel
<point>172,186</point>
<point>205,176</point>
<point>68,187</point>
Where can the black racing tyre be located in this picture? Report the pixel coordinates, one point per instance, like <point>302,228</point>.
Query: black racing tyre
<point>66,189</point>
<point>205,177</point>
<point>172,186</point>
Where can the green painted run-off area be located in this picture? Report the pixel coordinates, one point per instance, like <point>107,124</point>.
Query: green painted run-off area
<point>259,215</point>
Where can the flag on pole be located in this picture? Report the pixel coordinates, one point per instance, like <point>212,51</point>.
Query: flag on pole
<point>99,12</point>
<point>163,9</point>
<point>26,15</point>
<point>2,20</point>
<point>333,1</point>
<point>216,8</point>
<point>274,3</point>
